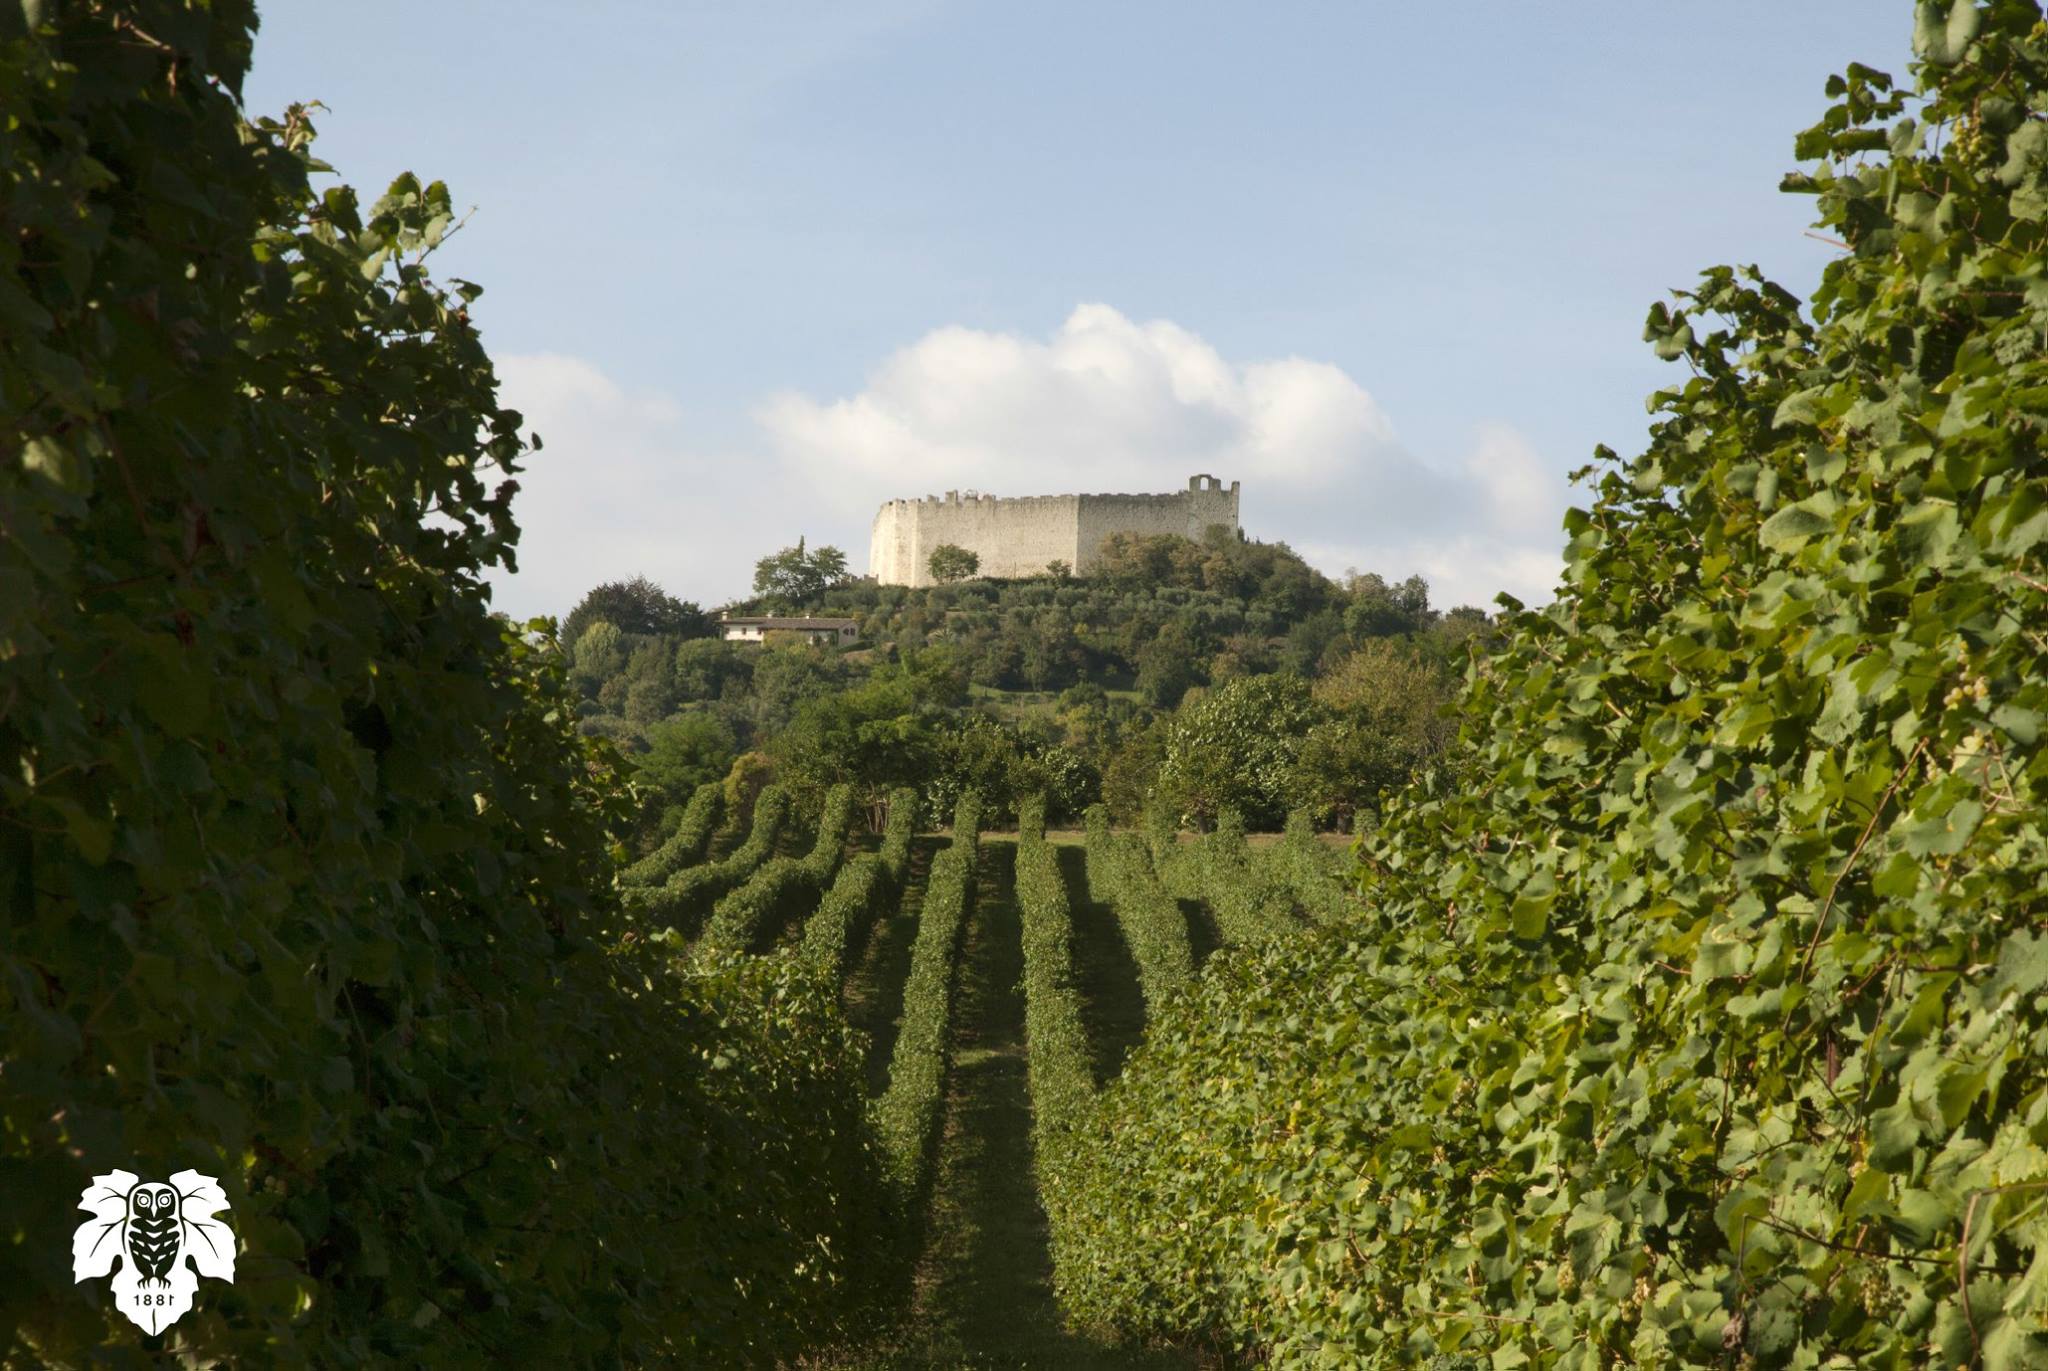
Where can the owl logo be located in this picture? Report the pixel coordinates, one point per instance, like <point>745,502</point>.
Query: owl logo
<point>163,1235</point>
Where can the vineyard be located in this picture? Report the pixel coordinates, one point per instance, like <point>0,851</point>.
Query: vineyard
<point>953,955</point>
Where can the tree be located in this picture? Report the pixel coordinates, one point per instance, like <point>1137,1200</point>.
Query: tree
<point>1235,748</point>
<point>637,606</point>
<point>794,578</point>
<point>951,562</point>
<point>685,752</point>
<point>1059,570</point>
<point>1384,708</point>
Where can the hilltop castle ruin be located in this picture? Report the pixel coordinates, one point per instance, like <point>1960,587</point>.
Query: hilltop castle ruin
<point>1021,537</point>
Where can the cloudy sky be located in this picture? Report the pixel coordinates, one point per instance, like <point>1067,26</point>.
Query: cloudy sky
<point>753,267</point>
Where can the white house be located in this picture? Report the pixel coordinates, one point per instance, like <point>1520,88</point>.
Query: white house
<point>756,628</point>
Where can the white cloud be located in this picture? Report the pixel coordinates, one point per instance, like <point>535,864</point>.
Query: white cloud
<point>1105,403</point>
<point>618,489</point>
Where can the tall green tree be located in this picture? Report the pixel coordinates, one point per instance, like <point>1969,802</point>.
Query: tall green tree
<point>637,606</point>
<point>951,562</point>
<point>794,578</point>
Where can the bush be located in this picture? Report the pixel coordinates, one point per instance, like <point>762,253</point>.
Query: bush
<point>908,1113</point>
<point>304,875</point>
<point>1060,1067</point>
<point>687,845</point>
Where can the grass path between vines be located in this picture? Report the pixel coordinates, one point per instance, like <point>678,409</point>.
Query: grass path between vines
<point>983,1294</point>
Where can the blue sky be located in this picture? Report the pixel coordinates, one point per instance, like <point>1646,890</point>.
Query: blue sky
<point>753,268</point>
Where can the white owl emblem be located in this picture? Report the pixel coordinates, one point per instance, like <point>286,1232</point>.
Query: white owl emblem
<point>152,1228</point>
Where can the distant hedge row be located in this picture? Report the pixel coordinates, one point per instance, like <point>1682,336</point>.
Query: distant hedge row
<point>1120,872</point>
<point>866,883</point>
<point>1061,1076</point>
<point>687,845</point>
<point>909,1111</point>
<point>686,898</point>
<point>783,886</point>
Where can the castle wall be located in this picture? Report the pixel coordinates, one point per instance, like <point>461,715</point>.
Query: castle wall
<point>1189,513</point>
<point>1021,537</point>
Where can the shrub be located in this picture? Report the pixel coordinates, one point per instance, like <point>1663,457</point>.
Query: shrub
<point>304,874</point>
<point>908,1113</point>
<point>1061,1071</point>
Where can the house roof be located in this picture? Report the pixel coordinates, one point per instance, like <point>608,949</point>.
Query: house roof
<point>771,621</point>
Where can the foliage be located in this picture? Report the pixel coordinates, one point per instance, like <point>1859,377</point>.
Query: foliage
<point>1309,869</point>
<point>1250,901</point>
<point>951,562</point>
<point>305,870</point>
<point>1060,1068</point>
<point>795,578</point>
<point>1120,872</point>
<point>1384,717</point>
<point>783,885</point>
<point>1698,1012</point>
<point>684,753</point>
<point>907,1116</point>
<point>1235,748</point>
<point>687,845</point>
<point>638,607</point>
<point>897,831</point>
<point>865,884</point>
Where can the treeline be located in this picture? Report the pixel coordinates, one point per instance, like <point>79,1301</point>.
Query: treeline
<point>1186,676</point>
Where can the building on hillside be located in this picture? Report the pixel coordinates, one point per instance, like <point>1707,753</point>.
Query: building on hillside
<point>1023,537</point>
<point>758,628</point>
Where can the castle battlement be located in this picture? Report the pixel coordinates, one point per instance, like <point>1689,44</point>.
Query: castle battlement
<point>1023,535</point>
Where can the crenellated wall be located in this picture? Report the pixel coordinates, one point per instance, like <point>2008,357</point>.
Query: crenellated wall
<point>1021,537</point>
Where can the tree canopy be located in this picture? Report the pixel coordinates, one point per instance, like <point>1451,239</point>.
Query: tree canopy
<point>794,578</point>
<point>951,562</point>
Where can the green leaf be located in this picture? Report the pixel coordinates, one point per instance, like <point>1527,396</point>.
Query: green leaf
<point>1926,534</point>
<point>1791,527</point>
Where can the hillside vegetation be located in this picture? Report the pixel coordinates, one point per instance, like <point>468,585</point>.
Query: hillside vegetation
<point>1181,676</point>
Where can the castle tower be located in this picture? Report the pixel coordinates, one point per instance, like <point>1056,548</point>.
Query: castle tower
<point>1021,537</point>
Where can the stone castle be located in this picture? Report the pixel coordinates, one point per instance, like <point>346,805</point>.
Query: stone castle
<point>1022,537</point>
